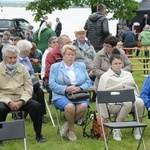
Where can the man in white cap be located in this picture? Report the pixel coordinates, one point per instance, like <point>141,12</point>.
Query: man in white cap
<point>85,51</point>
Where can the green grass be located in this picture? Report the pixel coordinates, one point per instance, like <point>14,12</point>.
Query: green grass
<point>53,141</point>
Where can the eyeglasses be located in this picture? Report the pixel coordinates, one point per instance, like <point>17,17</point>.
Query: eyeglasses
<point>107,45</point>
<point>54,42</point>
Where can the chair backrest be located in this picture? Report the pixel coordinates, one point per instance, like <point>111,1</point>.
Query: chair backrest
<point>10,130</point>
<point>116,96</point>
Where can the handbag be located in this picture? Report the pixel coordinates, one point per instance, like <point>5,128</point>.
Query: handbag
<point>97,126</point>
<point>80,95</point>
<point>35,82</point>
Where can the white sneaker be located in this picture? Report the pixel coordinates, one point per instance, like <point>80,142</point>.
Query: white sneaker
<point>117,134</point>
<point>137,134</point>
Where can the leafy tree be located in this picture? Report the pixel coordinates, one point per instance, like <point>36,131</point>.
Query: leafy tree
<point>121,9</point>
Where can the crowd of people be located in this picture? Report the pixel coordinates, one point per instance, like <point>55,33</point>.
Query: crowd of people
<point>92,59</point>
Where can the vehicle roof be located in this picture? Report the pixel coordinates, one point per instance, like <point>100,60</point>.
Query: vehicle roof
<point>13,19</point>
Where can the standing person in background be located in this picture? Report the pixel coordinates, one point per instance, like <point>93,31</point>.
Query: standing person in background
<point>97,27</point>
<point>42,35</point>
<point>58,27</point>
<point>85,53</point>
<point>45,18</point>
<point>52,42</point>
<point>128,39</point>
<point>145,21</point>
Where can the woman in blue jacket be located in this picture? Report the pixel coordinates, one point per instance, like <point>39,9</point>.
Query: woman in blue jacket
<point>69,76</point>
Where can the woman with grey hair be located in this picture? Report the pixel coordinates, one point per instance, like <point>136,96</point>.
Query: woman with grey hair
<point>25,48</point>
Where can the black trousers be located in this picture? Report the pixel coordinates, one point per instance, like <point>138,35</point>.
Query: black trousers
<point>38,96</point>
<point>32,107</point>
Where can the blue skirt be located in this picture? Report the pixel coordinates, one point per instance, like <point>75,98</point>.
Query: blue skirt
<point>62,102</point>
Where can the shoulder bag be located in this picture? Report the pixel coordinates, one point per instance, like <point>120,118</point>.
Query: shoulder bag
<point>80,95</point>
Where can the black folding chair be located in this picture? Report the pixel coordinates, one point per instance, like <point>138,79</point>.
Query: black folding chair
<point>120,96</point>
<point>11,130</point>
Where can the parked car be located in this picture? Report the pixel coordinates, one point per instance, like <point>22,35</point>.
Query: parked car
<point>16,26</point>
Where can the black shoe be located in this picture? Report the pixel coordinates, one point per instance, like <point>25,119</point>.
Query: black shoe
<point>1,143</point>
<point>40,139</point>
<point>44,120</point>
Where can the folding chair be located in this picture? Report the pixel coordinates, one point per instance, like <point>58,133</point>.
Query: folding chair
<point>11,130</point>
<point>15,112</point>
<point>120,96</point>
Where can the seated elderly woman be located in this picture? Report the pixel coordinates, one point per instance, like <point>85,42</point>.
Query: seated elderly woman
<point>69,76</point>
<point>38,95</point>
<point>116,79</point>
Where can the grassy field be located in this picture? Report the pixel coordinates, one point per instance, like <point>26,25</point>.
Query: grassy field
<point>53,141</point>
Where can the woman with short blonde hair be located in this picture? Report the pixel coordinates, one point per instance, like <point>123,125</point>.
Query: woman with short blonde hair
<point>70,47</point>
<point>69,76</point>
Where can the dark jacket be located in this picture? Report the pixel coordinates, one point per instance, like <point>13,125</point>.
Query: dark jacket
<point>143,22</point>
<point>58,29</point>
<point>97,30</point>
<point>129,39</point>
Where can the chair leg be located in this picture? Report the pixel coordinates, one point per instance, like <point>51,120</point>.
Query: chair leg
<point>25,144</point>
<point>49,112</point>
<point>58,122</point>
<point>142,140</point>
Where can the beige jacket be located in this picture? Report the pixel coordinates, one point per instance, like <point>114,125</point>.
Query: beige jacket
<point>101,65</point>
<point>110,81</point>
<point>16,87</point>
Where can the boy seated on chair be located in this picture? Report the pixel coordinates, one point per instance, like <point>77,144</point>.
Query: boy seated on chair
<point>16,90</point>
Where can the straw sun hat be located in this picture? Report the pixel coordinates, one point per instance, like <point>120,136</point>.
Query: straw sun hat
<point>79,29</point>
